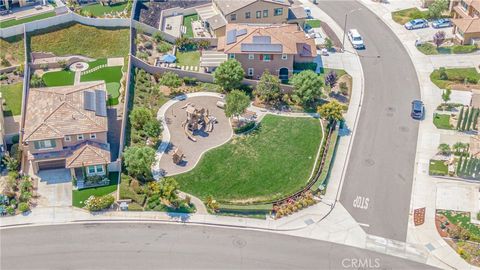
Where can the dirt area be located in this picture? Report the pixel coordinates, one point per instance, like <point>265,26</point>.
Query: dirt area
<point>149,49</point>
<point>10,78</point>
<point>465,87</point>
<point>342,94</point>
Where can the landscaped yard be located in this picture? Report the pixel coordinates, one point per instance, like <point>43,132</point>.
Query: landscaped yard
<point>431,49</point>
<point>13,98</point>
<point>454,76</point>
<point>111,76</point>
<point>442,121</point>
<point>188,58</point>
<point>438,167</point>
<point>78,39</point>
<point>12,22</point>
<point>272,162</point>
<point>79,196</point>
<point>462,219</point>
<point>12,50</point>
<point>313,23</point>
<point>99,10</point>
<point>405,15</point>
<point>59,78</point>
<point>187,22</point>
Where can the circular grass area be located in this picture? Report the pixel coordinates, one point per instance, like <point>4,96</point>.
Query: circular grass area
<point>270,163</point>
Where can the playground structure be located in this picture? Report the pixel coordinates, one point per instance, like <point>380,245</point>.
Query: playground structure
<point>198,119</point>
<point>177,156</point>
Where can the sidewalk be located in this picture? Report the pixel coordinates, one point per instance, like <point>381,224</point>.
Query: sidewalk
<point>425,187</point>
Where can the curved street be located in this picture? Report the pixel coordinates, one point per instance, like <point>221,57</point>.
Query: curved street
<point>378,180</point>
<point>162,246</point>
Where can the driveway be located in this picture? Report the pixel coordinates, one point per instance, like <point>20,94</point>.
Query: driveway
<point>378,180</point>
<point>54,188</point>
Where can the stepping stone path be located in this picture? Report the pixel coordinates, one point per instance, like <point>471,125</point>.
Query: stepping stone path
<point>93,69</point>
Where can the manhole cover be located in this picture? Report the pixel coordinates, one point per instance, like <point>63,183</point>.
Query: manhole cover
<point>369,162</point>
<point>238,242</point>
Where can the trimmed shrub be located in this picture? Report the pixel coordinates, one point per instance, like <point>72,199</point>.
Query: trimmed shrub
<point>95,203</point>
<point>460,118</point>
<point>459,49</point>
<point>190,81</point>
<point>304,66</point>
<point>443,74</point>
<point>470,118</point>
<point>10,210</point>
<point>23,207</point>
<point>164,47</point>
<point>170,79</point>
<point>244,128</point>
<point>465,119</point>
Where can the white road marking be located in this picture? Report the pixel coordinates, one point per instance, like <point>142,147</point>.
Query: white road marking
<point>363,224</point>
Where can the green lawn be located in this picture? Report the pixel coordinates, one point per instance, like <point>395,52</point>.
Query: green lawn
<point>79,196</point>
<point>405,15</point>
<point>111,76</point>
<point>442,121</point>
<point>430,49</point>
<point>70,39</point>
<point>97,63</point>
<point>59,78</point>
<point>99,10</point>
<point>12,22</point>
<point>462,219</point>
<point>274,161</point>
<point>13,98</point>
<point>438,167</point>
<point>455,75</point>
<point>189,58</point>
<point>187,22</point>
<point>313,23</point>
<point>12,49</point>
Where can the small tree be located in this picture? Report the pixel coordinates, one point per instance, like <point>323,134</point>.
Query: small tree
<point>459,165</point>
<point>446,95</point>
<point>475,119</point>
<point>439,38</point>
<point>443,74</point>
<point>307,86</point>
<point>152,128</point>
<point>138,161</point>
<point>170,79</point>
<point>157,37</point>
<point>460,118</point>
<point>183,43</point>
<point>211,204</point>
<point>268,88</point>
<point>11,162</point>
<point>168,188</point>
<point>237,102</point>
<point>331,79</point>
<point>470,119</point>
<point>203,44</point>
<point>229,74</point>
<point>36,81</point>
<point>436,8</point>
<point>465,119</point>
<point>140,116</point>
<point>328,44</point>
<point>331,111</point>
<point>444,149</point>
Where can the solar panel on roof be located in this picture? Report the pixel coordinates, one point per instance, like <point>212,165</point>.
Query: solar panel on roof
<point>89,101</point>
<point>231,36</point>
<point>241,32</point>
<point>251,47</point>
<point>262,39</point>
<point>100,103</point>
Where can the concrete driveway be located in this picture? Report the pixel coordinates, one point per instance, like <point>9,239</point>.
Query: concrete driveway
<point>54,188</point>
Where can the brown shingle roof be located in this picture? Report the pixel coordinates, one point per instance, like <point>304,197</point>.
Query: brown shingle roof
<point>467,25</point>
<point>292,39</point>
<point>58,111</point>
<point>88,154</point>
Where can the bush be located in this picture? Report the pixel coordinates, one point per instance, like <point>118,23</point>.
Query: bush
<point>164,47</point>
<point>134,207</point>
<point>148,45</point>
<point>142,55</point>
<point>10,210</point>
<point>23,207</point>
<point>190,81</point>
<point>3,77</point>
<point>459,49</point>
<point>37,81</point>
<point>443,74</point>
<point>95,203</point>
<point>152,128</point>
<point>170,79</point>
<point>244,128</point>
<point>140,116</point>
<point>304,66</point>
<point>343,88</point>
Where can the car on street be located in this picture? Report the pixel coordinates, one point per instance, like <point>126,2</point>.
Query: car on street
<point>356,39</point>
<point>442,23</point>
<point>418,109</point>
<point>416,24</point>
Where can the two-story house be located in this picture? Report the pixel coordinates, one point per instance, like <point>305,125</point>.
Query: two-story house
<point>466,21</point>
<point>66,127</point>
<point>9,4</point>
<point>267,47</point>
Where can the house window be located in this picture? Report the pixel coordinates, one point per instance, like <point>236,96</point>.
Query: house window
<point>265,13</point>
<point>93,136</point>
<point>278,12</point>
<point>464,5</point>
<point>233,17</point>
<point>284,57</point>
<point>267,57</point>
<point>231,56</point>
<point>91,170</point>
<point>259,14</point>
<point>250,72</point>
<point>251,56</point>
<point>80,137</point>
<point>46,144</point>
<point>95,170</point>
<point>247,15</point>
<point>99,169</point>
<point>68,138</point>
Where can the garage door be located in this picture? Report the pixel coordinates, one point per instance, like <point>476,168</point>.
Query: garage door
<point>50,165</point>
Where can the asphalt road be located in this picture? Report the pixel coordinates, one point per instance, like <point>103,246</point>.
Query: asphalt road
<point>163,246</point>
<point>379,176</point>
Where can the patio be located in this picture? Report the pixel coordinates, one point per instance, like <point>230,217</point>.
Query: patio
<point>172,25</point>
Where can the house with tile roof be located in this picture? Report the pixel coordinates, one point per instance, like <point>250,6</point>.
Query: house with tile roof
<point>66,127</point>
<point>466,21</point>
<point>267,47</point>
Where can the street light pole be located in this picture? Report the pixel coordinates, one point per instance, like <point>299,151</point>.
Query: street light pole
<point>345,26</point>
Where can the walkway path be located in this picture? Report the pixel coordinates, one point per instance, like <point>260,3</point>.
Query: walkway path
<point>199,205</point>
<point>78,74</point>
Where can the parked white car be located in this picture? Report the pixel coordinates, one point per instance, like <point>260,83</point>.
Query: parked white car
<point>356,39</point>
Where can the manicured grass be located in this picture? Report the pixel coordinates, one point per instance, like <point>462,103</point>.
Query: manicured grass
<point>187,22</point>
<point>79,196</point>
<point>442,121</point>
<point>455,75</point>
<point>111,76</point>
<point>430,49</point>
<point>99,10</point>
<point>274,161</point>
<point>12,49</point>
<point>97,63</point>
<point>189,58</point>
<point>405,15</point>
<point>13,98</point>
<point>14,22</point>
<point>69,39</point>
<point>438,167</point>
<point>313,23</point>
<point>59,78</point>
<point>427,48</point>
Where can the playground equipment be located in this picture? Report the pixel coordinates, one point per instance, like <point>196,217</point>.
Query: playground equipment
<point>197,120</point>
<point>177,156</point>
